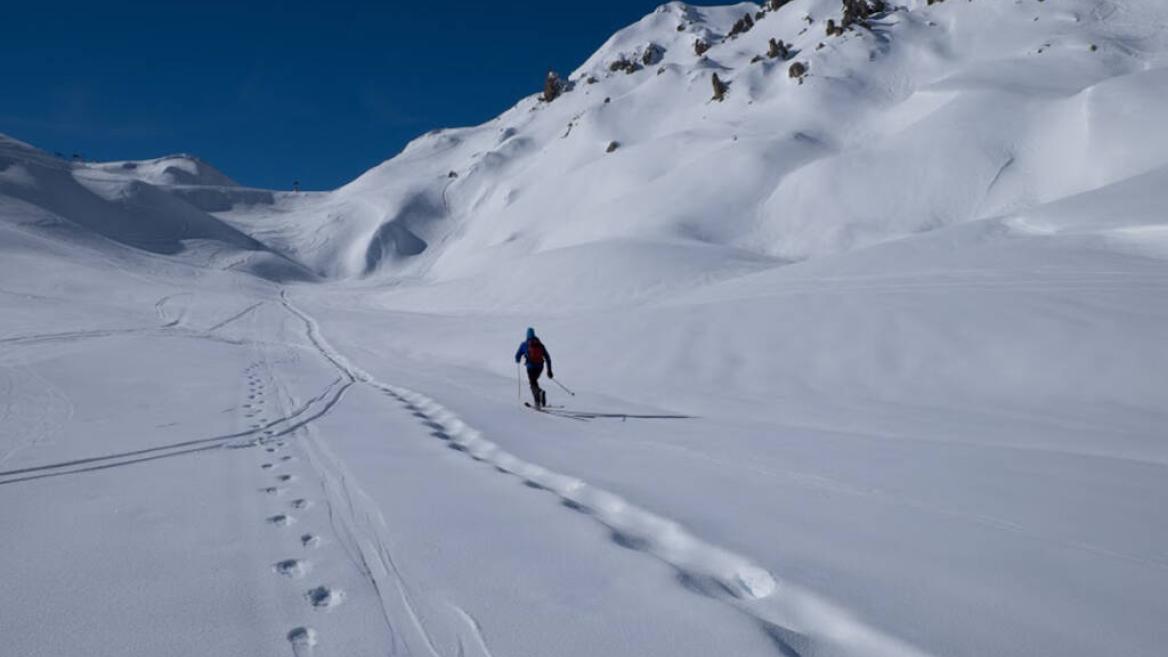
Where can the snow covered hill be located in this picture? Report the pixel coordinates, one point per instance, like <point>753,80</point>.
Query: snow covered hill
<point>930,117</point>
<point>170,170</point>
<point>868,359</point>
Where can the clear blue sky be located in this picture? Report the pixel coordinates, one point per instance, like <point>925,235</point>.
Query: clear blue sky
<point>276,92</point>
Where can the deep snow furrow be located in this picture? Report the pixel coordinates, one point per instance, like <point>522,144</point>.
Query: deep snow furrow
<point>782,609</point>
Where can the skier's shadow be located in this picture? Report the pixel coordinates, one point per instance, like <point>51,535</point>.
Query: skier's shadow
<point>598,415</point>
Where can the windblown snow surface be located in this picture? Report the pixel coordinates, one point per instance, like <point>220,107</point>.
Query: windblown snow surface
<point>867,361</point>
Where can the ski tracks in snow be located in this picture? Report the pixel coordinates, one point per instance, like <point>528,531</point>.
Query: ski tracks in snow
<point>798,620</point>
<point>305,485</point>
<point>287,484</point>
<point>361,530</point>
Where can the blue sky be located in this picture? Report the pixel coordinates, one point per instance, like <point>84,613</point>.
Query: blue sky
<point>275,92</point>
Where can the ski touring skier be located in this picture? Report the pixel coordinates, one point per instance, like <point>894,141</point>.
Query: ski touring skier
<point>536,354</point>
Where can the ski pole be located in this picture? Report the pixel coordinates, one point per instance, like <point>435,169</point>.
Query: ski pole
<point>557,382</point>
<point>518,383</point>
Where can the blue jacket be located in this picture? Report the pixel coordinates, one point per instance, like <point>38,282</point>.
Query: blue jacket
<point>522,353</point>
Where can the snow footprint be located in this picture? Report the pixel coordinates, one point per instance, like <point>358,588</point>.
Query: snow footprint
<point>281,520</point>
<point>302,640</point>
<point>323,597</point>
<point>309,540</point>
<point>294,568</point>
<point>300,504</point>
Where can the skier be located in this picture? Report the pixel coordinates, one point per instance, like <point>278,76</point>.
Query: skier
<point>536,354</point>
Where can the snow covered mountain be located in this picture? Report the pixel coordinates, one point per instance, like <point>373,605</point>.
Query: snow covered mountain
<point>920,117</point>
<point>928,117</point>
<point>867,358</point>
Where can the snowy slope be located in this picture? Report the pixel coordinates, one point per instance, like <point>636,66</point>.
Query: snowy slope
<point>937,115</point>
<point>139,208</point>
<point>171,170</point>
<point>866,362</point>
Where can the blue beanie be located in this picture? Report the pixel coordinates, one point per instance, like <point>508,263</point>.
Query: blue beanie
<point>530,333</point>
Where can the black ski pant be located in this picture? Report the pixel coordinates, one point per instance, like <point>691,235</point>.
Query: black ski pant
<point>533,374</point>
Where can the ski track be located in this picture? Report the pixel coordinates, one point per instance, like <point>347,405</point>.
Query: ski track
<point>170,330</point>
<point>480,646</point>
<point>313,409</point>
<point>363,534</point>
<point>164,316</point>
<point>791,615</point>
<point>69,336</point>
<point>235,317</point>
<point>266,396</point>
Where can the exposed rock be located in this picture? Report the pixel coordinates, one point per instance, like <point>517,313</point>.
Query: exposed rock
<point>741,26</point>
<point>652,55</point>
<point>552,87</point>
<point>859,11</point>
<point>778,50</point>
<point>720,88</point>
<point>626,65</point>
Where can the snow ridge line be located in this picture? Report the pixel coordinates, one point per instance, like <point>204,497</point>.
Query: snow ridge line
<point>792,617</point>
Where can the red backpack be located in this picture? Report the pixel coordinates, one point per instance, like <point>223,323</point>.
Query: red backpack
<point>535,353</point>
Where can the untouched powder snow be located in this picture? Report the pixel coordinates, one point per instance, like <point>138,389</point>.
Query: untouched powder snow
<point>867,360</point>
